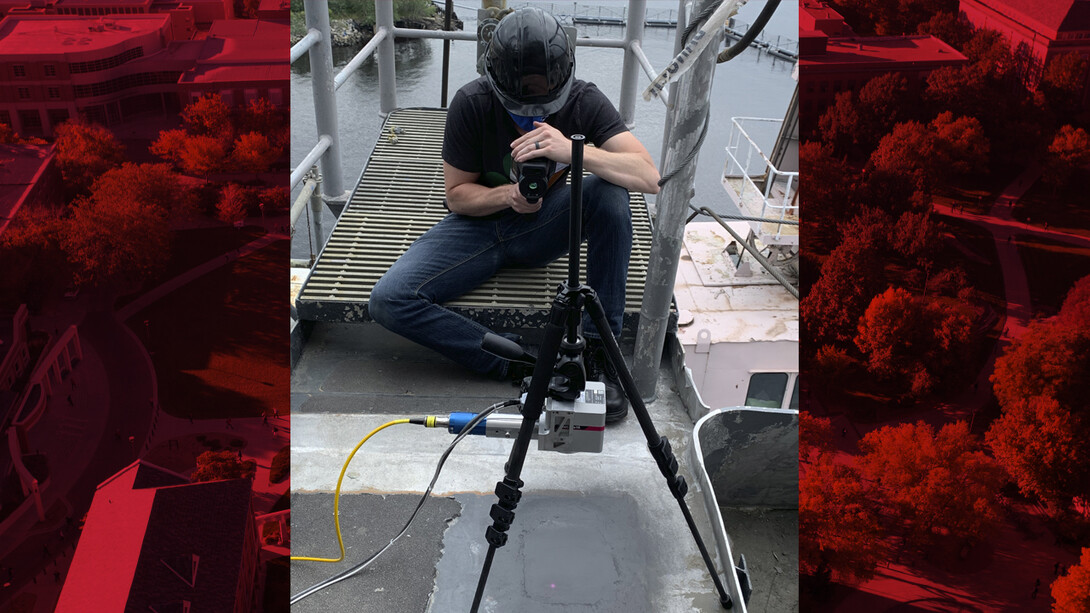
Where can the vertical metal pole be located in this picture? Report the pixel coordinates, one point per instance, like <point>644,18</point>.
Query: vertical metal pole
<point>691,100</point>
<point>325,101</point>
<point>575,219</point>
<point>449,8</point>
<point>316,215</point>
<point>630,73</point>
<point>682,18</point>
<point>387,82</point>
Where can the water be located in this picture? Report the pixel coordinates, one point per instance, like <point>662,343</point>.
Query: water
<point>754,84</point>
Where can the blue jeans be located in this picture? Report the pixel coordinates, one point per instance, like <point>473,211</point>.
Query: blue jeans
<point>459,253</point>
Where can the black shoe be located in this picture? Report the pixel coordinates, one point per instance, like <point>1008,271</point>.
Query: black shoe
<point>599,369</point>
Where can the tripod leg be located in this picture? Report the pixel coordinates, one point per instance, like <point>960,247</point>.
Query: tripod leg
<point>503,512</point>
<point>658,445</point>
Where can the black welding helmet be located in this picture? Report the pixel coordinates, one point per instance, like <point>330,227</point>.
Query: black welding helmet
<point>530,63</point>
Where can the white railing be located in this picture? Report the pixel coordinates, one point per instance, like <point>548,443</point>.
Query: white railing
<point>746,161</point>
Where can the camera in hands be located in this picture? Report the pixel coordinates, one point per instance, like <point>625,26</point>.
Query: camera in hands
<point>533,178</point>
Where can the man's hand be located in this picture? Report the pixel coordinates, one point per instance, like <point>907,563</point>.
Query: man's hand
<point>621,159</point>
<point>520,204</point>
<point>543,141</point>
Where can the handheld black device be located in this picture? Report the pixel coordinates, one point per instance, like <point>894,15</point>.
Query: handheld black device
<point>534,178</point>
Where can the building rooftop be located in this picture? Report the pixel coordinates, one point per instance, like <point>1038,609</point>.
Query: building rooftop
<point>240,51</point>
<point>193,547</point>
<point>274,5</point>
<point>883,50</point>
<point>815,15</point>
<point>152,538</point>
<point>1051,17</point>
<point>20,168</point>
<point>79,3</point>
<point>40,35</point>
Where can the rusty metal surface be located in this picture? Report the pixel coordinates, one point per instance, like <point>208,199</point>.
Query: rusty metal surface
<point>400,196</point>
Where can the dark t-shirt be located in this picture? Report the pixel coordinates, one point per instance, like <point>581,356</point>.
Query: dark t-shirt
<point>479,132</point>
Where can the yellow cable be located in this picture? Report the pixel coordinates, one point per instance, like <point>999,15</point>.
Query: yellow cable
<point>337,493</point>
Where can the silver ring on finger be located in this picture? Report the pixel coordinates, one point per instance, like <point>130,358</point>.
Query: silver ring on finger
<point>537,144</point>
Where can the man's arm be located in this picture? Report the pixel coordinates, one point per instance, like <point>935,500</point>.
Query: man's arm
<point>467,197</point>
<point>622,159</point>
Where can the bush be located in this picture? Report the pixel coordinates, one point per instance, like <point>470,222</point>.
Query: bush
<point>281,465</point>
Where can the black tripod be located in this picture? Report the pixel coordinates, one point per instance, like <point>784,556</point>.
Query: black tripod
<point>560,352</point>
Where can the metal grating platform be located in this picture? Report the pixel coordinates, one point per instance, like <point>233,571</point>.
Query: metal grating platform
<point>399,196</point>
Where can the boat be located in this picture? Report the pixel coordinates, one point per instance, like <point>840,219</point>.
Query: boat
<point>593,531</point>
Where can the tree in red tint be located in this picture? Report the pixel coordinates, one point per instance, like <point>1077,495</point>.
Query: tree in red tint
<point>815,436</point>
<point>120,242</point>
<point>947,27</point>
<point>850,277</point>
<point>915,236</point>
<point>989,75</point>
<point>34,265</point>
<point>1071,592</point>
<point>909,149</point>
<point>990,55</point>
<point>855,125</point>
<point>893,17</point>
<point>261,116</point>
<point>8,137</point>
<point>1076,305</point>
<point>839,535</point>
<point>201,155</point>
<point>152,184</point>
<point>218,465</point>
<point>1069,151</point>
<point>1049,359</point>
<point>894,192</point>
<point>932,153</point>
<point>832,367</point>
<point>274,199</point>
<point>1063,83</point>
<point>169,145</point>
<point>961,142</point>
<point>193,153</point>
<point>940,484</point>
<point>952,283</point>
<point>839,124</point>
<point>84,152</point>
<point>254,152</point>
<point>885,99</point>
<point>232,205</point>
<point>1042,384</point>
<point>915,342</point>
<point>955,88</point>
<point>209,116</point>
<point>1043,446</point>
<point>826,195</point>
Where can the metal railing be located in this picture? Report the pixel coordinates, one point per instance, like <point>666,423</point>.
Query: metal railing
<point>773,206</point>
<point>317,45</point>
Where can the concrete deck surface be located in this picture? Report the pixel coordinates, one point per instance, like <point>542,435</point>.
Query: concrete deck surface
<point>593,533</point>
